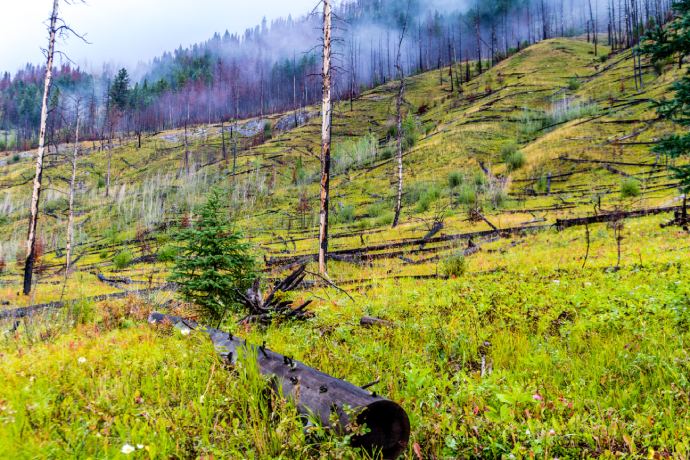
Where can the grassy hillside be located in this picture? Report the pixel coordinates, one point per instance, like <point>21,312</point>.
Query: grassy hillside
<point>586,356</point>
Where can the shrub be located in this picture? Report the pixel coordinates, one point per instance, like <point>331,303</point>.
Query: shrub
<point>573,84</point>
<point>467,195</point>
<point>515,161</point>
<point>542,184</point>
<point>167,253</point>
<point>479,179</point>
<point>123,258</point>
<point>344,214</point>
<point>384,219</point>
<point>410,134</point>
<point>355,153</point>
<point>630,188</point>
<point>427,198</point>
<point>82,312</point>
<point>268,130</point>
<point>453,266</point>
<point>57,205</point>
<point>455,179</point>
<point>507,150</point>
<point>214,262</point>
<point>387,152</point>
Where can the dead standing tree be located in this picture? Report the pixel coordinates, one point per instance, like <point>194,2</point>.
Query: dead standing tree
<point>72,183</point>
<point>398,106</point>
<point>38,178</point>
<point>55,27</point>
<point>327,116</point>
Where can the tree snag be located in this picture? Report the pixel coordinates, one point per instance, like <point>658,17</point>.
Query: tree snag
<point>38,178</point>
<point>327,116</point>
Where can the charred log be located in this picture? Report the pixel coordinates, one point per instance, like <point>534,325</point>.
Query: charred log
<point>317,394</point>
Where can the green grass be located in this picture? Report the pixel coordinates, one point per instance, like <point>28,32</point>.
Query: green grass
<point>579,362</point>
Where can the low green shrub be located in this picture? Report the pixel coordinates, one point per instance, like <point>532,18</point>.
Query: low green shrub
<point>455,179</point>
<point>515,160</point>
<point>453,266</point>
<point>630,188</point>
<point>344,214</point>
<point>167,253</point>
<point>467,195</point>
<point>122,259</point>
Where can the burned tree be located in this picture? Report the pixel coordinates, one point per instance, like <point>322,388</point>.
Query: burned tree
<point>72,184</point>
<point>398,106</point>
<point>38,177</point>
<point>327,117</point>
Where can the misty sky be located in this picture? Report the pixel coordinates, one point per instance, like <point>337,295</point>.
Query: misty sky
<point>126,32</point>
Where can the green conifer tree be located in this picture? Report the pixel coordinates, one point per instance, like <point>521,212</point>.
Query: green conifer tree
<point>214,263</point>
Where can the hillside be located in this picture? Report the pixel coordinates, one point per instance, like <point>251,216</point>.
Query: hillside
<point>585,329</point>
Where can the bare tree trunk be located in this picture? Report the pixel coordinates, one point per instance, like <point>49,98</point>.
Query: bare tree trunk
<point>593,23</point>
<point>222,136</point>
<point>38,178</point>
<point>186,149</point>
<point>73,181</point>
<point>398,106</point>
<point>327,115</point>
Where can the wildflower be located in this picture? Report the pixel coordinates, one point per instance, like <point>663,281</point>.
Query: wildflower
<point>552,432</point>
<point>140,446</point>
<point>556,281</point>
<point>81,360</point>
<point>537,397</point>
<point>127,449</point>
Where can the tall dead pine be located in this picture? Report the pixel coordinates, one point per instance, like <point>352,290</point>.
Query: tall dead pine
<point>327,116</point>
<point>72,184</point>
<point>398,106</point>
<point>38,177</point>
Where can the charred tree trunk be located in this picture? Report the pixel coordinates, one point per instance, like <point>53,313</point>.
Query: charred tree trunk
<point>398,106</point>
<point>317,394</point>
<point>478,30</point>
<point>38,178</point>
<point>593,22</point>
<point>224,150</point>
<point>72,184</point>
<point>326,126</point>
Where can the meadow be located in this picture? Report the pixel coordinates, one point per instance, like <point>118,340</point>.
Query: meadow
<point>539,344</point>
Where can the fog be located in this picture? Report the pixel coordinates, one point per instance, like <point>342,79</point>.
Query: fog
<point>126,32</point>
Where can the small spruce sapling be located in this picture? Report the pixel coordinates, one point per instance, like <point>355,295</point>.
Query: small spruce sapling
<point>214,263</point>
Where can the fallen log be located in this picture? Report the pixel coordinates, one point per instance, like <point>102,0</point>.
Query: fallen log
<point>317,394</point>
<point>369,321</point>
<point>562,224</point>
<point>31,310</point>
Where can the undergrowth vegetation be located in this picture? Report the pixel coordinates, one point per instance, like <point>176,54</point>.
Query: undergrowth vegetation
<point>528,343</point>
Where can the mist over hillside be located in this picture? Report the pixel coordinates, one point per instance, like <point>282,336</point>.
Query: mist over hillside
<point>275,67</point>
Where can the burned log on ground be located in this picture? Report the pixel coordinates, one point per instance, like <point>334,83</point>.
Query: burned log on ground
<point>370,321</point>
<point>318,395</point>
<point>562,224</point>
<point>274,306</point>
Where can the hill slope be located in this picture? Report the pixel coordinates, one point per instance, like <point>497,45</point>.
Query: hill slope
<point>551,344</point>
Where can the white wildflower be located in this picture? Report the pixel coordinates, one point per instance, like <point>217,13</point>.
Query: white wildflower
<point>81,360</point>
<point>127,449</point>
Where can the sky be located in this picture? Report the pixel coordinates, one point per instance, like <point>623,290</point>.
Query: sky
<point>127,32</point>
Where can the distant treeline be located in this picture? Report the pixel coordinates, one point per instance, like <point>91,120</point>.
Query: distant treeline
<point>276,67</point>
